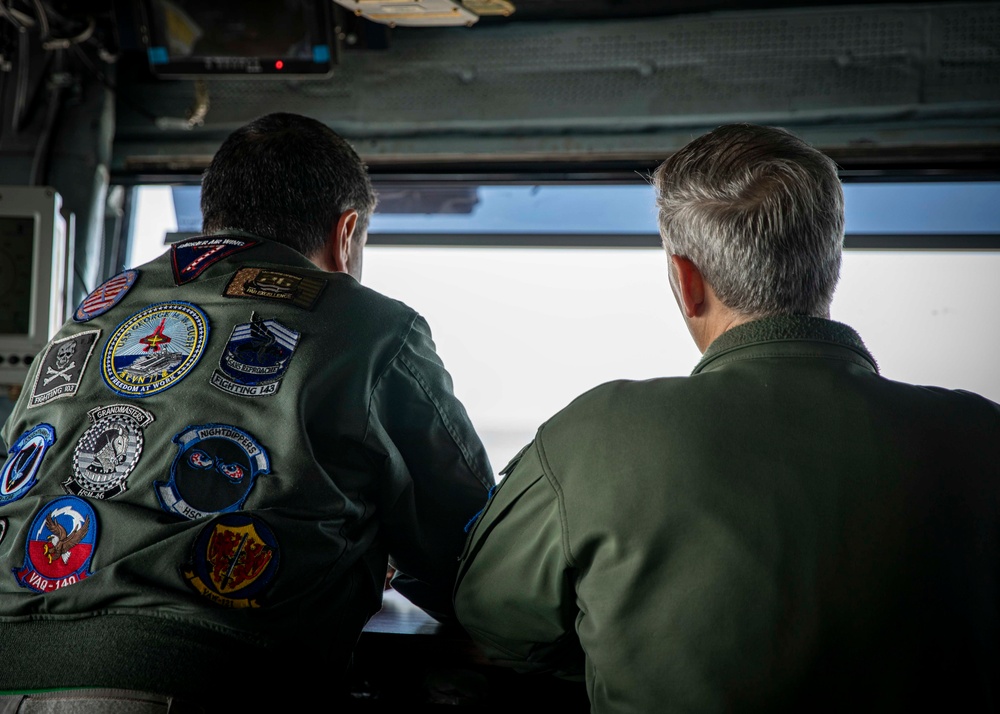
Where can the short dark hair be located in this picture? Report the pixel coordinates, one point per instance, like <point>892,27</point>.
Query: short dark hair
<point>761,213</point>
<point>288,178</point>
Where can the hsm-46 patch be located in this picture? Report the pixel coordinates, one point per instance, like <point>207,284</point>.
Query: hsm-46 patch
<point>154,349</point>
<point>233,559</point>
<point>105,296</point>
<point>192,257</point>
<point>108,451</point>
<point>280,285</point>
<point>256,358</point>
<point>60,545</point>
<point>24,458</point>
<point>61,367</point>
<point>213,472</point>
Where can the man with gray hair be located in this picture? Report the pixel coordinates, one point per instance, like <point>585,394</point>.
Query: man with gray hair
<point>785,529</point>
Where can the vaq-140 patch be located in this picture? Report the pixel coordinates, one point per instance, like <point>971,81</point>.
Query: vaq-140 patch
<point>256,358</point>
<point>60,545</point>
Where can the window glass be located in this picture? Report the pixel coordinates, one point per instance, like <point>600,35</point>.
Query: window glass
<point>523,331</point>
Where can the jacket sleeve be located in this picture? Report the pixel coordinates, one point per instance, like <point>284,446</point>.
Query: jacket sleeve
<point>436,472</point>
<point>515,593</point>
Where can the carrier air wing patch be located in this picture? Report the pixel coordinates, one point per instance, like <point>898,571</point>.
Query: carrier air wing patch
<point>61,367</point>
<point>284,285</point>
<point>192,257</point>
<point>106,296</point>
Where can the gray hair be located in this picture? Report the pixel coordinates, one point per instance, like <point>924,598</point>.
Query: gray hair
<point>760,213</point>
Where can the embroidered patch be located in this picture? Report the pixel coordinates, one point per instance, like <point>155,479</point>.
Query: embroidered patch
<point>213,472</point>
<point>154,349</point>
<point>108,451</point>
<point>61,367</point>
<point>106,296</point>
<point>256,358</point>
<point>60,545</point>
<point>3,528</point>
<point>20,472</point>
<point>192,257</point>
<point>299,290</point>
<point>233,559</point>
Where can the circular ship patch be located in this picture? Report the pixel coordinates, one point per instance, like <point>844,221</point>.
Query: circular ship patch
<point>60,545</point>
<point>108,451</point>
<point>213,472</point>
<point>154,349</point>
<point>20,472</point>
<point>234,558</point>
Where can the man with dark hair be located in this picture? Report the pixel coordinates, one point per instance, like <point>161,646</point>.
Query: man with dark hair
<point>213,463</point>
<point>782,531</point>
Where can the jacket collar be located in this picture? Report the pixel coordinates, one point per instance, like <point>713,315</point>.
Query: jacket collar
<point>787,328</point>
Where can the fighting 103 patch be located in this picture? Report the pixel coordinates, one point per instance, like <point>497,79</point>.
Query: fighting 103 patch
<point>213,472</point>
<point>108,451</point>
<point>20,472</point>
<point>192,257</point>
<point>60,545</point>
<point>280,285</point>
<point>256,358</point>
<point>62,367</point>
<point>154,349</point>
<point>105,296</point>
<point>234,558</point>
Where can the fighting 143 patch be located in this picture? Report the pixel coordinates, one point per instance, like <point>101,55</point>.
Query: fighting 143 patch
<point>106,296</point>
<point>213,471</point>
<point>190,258</point>
<point>108,451</point>
<point>256,358</point>
<point>284,286</point>
<point>60,545</point>
<point>23,460</point>
<point>234,558</point>
<point>62,367</point>
<point>154,349</point>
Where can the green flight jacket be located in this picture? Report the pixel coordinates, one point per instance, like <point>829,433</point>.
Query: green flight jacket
<point>230,511</point>
<point>784,530</point>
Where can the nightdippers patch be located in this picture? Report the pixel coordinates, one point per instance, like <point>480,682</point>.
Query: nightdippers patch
<point>256,358</point>
<point>62,367</point>
<point>60,545</point>
<point>20,472</point>
<point>213,472</point>
<point>106,296</point>
<point>192,257</point>
<point>108,451</point>
<point>154,349</point>
<point>283,286</point>
<point>234,558</point>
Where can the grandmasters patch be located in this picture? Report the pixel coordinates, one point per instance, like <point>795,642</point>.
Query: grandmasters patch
<point>108,451</point>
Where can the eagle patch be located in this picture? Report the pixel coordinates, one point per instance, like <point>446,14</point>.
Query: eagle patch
<point>60,545</point>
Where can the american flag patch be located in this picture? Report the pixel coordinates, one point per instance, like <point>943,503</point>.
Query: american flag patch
<point>106,296</point>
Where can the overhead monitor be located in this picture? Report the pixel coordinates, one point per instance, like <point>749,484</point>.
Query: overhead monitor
<point>34,249</point>
<point>268,40</point>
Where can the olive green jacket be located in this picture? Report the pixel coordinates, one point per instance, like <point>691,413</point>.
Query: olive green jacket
<point>228,471</point>
<point>784,530</point>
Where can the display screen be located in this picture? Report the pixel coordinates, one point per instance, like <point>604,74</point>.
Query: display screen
<point>17,239</point>
<point>235,37</point>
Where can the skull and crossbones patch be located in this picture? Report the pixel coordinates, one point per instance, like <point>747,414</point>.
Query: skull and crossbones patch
<point>61,367</point>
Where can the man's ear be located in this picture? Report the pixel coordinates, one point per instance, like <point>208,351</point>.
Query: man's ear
<point>689,285</point>
<point>340,240</point>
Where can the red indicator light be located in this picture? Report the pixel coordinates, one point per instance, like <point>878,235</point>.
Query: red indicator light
<point>279,65</point>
